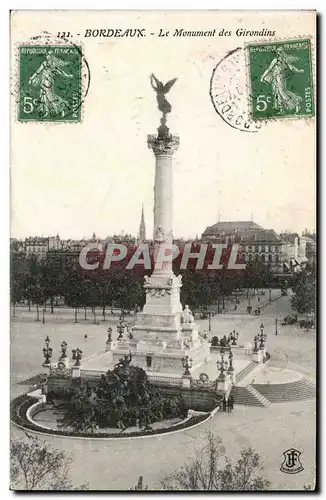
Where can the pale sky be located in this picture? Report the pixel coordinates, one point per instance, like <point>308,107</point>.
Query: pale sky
<point>76,179</point>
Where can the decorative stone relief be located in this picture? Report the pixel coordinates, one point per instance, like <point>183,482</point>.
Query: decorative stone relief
<point>61,371</point>
<point>158,292</point>
<point>161,146</point>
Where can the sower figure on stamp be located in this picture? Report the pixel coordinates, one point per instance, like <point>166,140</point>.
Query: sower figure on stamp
<point>44,77</point>
<point>283,99</point>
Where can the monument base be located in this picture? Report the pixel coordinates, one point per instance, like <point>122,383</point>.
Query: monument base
<point>159,357</point>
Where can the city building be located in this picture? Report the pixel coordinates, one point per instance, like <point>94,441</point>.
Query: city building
<point>36,245</point>
<point>294,250</point>
<point>256,243</point>
<point>310,251</point>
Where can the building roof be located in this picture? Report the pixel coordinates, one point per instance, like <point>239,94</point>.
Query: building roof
<point>231,227</point>
<point>247,231</point>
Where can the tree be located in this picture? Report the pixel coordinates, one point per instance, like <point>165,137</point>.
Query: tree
<point>53,273</point>
<point>121,399</point>
<point>34,465</point>
<point>74,291</point>
<point>16,294</point>
<point>304,298</point>
<point>17,265</point>
<point>257,275</point>
<point>207,473</point>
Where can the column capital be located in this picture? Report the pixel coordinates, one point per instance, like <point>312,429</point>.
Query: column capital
<point>163,146</point>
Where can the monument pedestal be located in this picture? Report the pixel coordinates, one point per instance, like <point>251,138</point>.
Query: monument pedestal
<point>161,349</point>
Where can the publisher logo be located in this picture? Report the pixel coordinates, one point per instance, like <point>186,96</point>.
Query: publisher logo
<point>291,464</point>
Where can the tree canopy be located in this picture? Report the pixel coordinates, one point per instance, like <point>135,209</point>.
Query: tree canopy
<point>122,398</point>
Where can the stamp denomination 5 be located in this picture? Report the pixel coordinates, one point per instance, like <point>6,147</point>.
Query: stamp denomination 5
<point>281,79</point>
<point>50,83</point>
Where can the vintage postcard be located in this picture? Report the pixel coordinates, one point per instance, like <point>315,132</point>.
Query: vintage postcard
<point>163,250</point>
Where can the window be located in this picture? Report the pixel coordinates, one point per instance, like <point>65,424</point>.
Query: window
<point>270,258</point>
<point>277,258</point>
<point>262,257</point>
<point>148,361</point>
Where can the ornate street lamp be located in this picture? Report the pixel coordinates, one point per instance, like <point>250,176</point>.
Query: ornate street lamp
<point>230,368</point>
<point>64,347</point>
<point>187,364</point>
<point>77,356</point>
<point>120,330</point>
<point>43,318</point>
<point>262,328</point>
<point>276,327</point>
<point>220,366</point>
<point>222,362</point>
<point>47,341</point>
<point>255,343</point>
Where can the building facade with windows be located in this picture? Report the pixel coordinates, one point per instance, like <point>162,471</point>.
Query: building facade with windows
<point>256,243</point>
<point>36,245</point>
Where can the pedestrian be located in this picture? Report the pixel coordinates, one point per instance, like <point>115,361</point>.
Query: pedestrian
<point>230,404</point>
<point>235,307</point>
<point>224,404</point>
<point>85,336</point>
<point>258,298</point>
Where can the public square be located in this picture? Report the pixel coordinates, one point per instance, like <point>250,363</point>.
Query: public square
<point>114,464</point>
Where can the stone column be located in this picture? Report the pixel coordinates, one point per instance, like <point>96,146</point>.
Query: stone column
<point>163,146</point>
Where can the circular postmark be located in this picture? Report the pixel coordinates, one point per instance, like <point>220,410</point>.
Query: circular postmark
<point>53,79</point>
<point>230,93</point>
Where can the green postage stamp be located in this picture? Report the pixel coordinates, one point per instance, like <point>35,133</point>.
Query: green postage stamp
<point>281,79</point>
<point>50,83</point>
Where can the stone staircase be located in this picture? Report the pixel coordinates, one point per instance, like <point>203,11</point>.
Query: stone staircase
<point>244,372</point>
<point>248,396</point>
<point>300,390</point>
<point>265,394</point>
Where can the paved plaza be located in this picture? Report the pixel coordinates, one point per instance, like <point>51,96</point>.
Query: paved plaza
<point>116,464</point>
